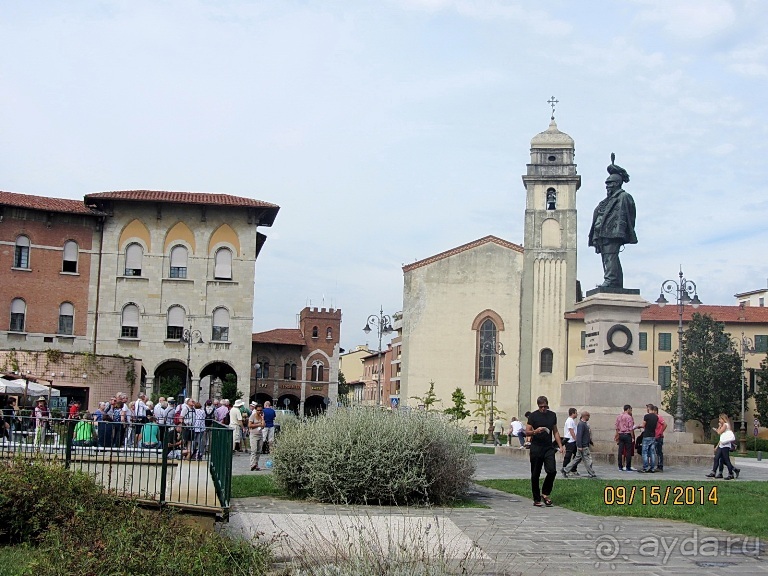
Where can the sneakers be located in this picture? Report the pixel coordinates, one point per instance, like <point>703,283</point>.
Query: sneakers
<point>719,476</point>
<point>563,472</point>
<point>729,477</point>
<point>621,469</point>
<point>711,475</point>
<point>660,469</point>
<point>593,475</point>
<point>630,470</point>
<point>575,473</point>
<point>737,471</point>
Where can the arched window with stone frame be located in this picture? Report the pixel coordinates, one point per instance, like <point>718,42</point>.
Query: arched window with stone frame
<point>317,371</point>
<point>487,326</point>
<point>66,319</point>
<point>546,360</point>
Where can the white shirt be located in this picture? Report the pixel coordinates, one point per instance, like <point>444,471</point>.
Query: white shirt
<point>517,426</point>
<point>141,408</point>
<point>160,414</point>
<point>570,424</point>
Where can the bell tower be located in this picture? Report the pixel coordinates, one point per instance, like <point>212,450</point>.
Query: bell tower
<point>549,272</point>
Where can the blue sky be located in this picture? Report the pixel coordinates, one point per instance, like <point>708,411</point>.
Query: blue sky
<point>392,130</point>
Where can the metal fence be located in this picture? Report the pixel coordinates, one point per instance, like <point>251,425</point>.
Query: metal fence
<point>184,468</point>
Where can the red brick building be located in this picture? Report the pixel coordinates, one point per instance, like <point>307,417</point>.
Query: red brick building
<point>298,368</point>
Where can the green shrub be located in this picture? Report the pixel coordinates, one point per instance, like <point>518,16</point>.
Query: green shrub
<point>36,494</point>
<point>77,528</point>
<point>370,456</point>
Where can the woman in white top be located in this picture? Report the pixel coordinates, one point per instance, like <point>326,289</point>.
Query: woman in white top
<point>236,424</point>
<point>723,450</point>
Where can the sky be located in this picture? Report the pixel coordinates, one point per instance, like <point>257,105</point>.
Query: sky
<point>391,130</point>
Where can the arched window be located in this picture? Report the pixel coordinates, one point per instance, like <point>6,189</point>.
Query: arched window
<point>320,373</point>
<point>130,322</point>
<point>179,262</point>
<point>329,333</point>
<point>134,254</point>
<point>545,361</point>
<point>18,315</point>
<point>287,371</point>
<point>317,371</point>
<point>176,320</point>
<point>69,262</point>
<point>222,264</point>
<point>66,319</point>
<point>314,331</point>
<point>293,371</point>
<point>220,325</point>
<point>21,255</point>
<point>263,369</point>
<point>486,351</point>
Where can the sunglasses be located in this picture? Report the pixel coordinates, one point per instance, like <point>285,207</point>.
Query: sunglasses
<point>543,405</point>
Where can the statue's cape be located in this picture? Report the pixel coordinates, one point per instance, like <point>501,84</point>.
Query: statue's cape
<point>618,219</point>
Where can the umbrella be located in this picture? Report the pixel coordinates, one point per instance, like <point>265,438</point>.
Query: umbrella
<point>19,385</point>
<point>11,386</point>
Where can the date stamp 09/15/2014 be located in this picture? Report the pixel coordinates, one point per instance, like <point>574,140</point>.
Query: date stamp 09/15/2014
<point>660,495</point>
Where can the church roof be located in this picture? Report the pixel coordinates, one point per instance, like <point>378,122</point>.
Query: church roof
<point>463,248</point>
<point>552,138</point>
<point>290,336</point>
<point>669,313</point>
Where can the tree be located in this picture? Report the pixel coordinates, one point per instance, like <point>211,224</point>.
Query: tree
<point>168,387</point>
<point>761,397</point>
<point>429,398</point>
<point>343,389</point>
<point>229,388</point>
<point>458,410</point>
<point>483,407</point>
<point>711,378</point>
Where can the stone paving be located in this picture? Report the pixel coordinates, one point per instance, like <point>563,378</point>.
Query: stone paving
<point>512,537</point>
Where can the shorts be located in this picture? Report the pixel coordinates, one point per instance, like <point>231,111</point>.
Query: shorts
<point>268,434</point>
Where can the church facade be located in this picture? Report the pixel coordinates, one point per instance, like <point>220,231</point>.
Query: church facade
<point>490,315</point>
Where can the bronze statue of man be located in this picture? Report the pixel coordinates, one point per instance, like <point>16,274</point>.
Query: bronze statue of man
<point>613,225</point>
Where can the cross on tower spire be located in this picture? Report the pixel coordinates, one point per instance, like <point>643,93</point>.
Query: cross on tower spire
<point>552,103</point>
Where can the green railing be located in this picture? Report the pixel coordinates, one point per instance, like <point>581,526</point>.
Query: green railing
<point>195,475</point>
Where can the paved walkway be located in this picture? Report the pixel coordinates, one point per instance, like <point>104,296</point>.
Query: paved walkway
<point>511,536</point>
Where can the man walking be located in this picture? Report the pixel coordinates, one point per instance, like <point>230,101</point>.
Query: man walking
<point>583,442</point>
<point>660,428</point>
<point>569,435</point>
<point>498,430</point>
<point>268,432</point>
<point>542,425</point>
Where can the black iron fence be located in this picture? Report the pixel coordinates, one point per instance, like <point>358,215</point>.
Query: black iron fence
<point>169,465</point>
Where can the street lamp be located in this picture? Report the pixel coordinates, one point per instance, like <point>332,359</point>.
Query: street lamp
<point>491,347</point>
<point>685,293</point>
<point>383,324</point>
<point>745,346</point>
<point>256,369</point>
<point>189,337</point>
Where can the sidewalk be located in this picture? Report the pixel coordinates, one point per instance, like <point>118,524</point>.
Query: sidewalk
<point>511,536</point>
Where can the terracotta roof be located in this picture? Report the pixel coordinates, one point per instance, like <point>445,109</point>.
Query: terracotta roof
<point>44,203</point>
<point>463,248</point>
<point>203,198</point>
<point>751,292</point>
<point>290,336</point>
<point>669,313</point>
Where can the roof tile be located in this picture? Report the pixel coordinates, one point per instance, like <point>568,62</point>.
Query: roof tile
<point>291,336</point>
<point>45,204</point>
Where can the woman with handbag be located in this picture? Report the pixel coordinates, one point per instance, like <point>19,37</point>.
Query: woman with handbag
<point>723,450</point>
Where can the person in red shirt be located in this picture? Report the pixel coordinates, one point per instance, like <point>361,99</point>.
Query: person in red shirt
<point>74,410</point>
<point>660,427</point>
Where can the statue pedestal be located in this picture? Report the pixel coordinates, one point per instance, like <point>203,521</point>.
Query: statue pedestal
<point>611,373</point>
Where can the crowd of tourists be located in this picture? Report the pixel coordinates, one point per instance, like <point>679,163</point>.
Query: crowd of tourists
<point>185,428</point>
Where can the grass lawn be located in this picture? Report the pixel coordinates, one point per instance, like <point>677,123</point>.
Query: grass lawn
<point>14,559</point>
<point>740,508</point>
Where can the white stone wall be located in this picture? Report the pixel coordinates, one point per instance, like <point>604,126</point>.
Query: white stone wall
<point>440,302</point>
<point>199,294</point>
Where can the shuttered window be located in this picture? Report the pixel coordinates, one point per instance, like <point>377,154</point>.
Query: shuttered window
<point>176,318</point>
<point>66,319</point>
<point>69,263</point>
<point>178,262</point>
<point>222,269</point>
<point>220,325</point>
<point>21,255</point>
<point>130,323</point>
<point>134,254</point>
<point>18,315</point>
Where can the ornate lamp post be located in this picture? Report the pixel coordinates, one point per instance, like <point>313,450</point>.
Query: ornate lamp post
<point>685,293</point>
<point>491,347</point>
<point>383,324</point>
<point>190,337</point>
<point>744,346</point>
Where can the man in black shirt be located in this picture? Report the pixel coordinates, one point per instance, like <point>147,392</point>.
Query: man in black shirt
<point>542,424</point>
<point>650,420</point>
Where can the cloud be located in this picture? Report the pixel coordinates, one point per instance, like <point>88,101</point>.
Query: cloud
<point>748,60</point>
<point>688,19</point>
